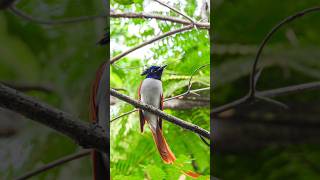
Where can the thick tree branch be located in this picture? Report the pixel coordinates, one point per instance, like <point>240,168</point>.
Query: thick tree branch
<point>119,56</point>
<point>199,25</point>
<point>170,118</point>
<point>54,164</point>
<point>177,104</point>
<point>84,134</point>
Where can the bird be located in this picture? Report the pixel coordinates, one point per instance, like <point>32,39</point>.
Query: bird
<point>150,92</point>
<point>99,114</point>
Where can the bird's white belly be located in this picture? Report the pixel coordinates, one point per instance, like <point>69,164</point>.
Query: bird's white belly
<point>151,90</point>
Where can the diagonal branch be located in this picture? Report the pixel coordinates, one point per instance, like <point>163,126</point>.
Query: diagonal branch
<point>170,118</point>
<point>54,164</point>
<point>83,133</point>
<point>176,10</point>
<point>27,17</point>
<point>269,93</point>
<point>118,57</point>
<point>199,25</point>
<point>124,114</point>
<point>178,104</point>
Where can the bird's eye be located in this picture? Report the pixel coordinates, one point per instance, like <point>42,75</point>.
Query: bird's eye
<point>152,70</point>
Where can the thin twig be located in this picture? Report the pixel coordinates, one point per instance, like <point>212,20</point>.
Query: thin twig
<point>54,164</point>
<point>272,101</point>
<point>254,75</point>
<point>158,17</point>
<point>266,39</point>
<point>189,85</point>
<point>184,124</point>
<point>176,10</point>
<point>200,89</point>
<point>27,17</point>
<point>118,57</point>
<point>228,106</point>
<point>269,93</point>
<point>204,141</point>
<point>124,114</point>
<point>29,87</point>
<point>290,89</point>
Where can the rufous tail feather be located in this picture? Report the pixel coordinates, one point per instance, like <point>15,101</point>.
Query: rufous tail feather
<point>191,174</point>
<point>162,146</point>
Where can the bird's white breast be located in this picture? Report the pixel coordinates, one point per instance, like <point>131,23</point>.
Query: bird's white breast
<point>151,90</point>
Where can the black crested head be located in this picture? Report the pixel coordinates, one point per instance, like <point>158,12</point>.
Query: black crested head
<point>154,72</point>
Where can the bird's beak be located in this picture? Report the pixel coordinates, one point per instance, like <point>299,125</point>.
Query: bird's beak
<point>163,67</point>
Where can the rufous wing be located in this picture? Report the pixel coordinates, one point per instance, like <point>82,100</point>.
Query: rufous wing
<point>142,118</point>
<point>100,171</point>
<point>161,108</point>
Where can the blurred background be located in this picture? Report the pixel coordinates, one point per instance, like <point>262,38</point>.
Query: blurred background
<point>133,154</point>
<point>55,64</point>
<point>261,140</point>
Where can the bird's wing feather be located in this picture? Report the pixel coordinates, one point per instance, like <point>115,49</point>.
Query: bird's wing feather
<point>100,169</point>
<point>93,95</point>
<point>142,118</point>
<point>161,108</point>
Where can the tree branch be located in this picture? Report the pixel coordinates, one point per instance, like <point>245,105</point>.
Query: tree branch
<point>290,89</point>
<point>83,133</point>
<point>254,76</point>
<point>158,17</point>
<point>189,84</point>
<point>118,57</point>
<point>29,87</point>
<point>161,114</point>
<point>124,114</point>
<point>27,17</point>
<point>54,164</point>
<point>176,10</point>
<point>176,104</point>
<point>266,39</point>
<point>269,93</point>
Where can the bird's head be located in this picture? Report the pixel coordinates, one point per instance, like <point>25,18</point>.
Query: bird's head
<point>154,72</point>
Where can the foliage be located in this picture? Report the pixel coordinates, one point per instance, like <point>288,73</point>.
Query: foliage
<point>291,57</point>
<point>134,154</point>
<point>63,58</point>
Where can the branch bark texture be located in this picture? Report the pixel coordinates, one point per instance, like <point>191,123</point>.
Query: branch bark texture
<point>170,118</point>
<point>84,134</point>
<point>158,17</point>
